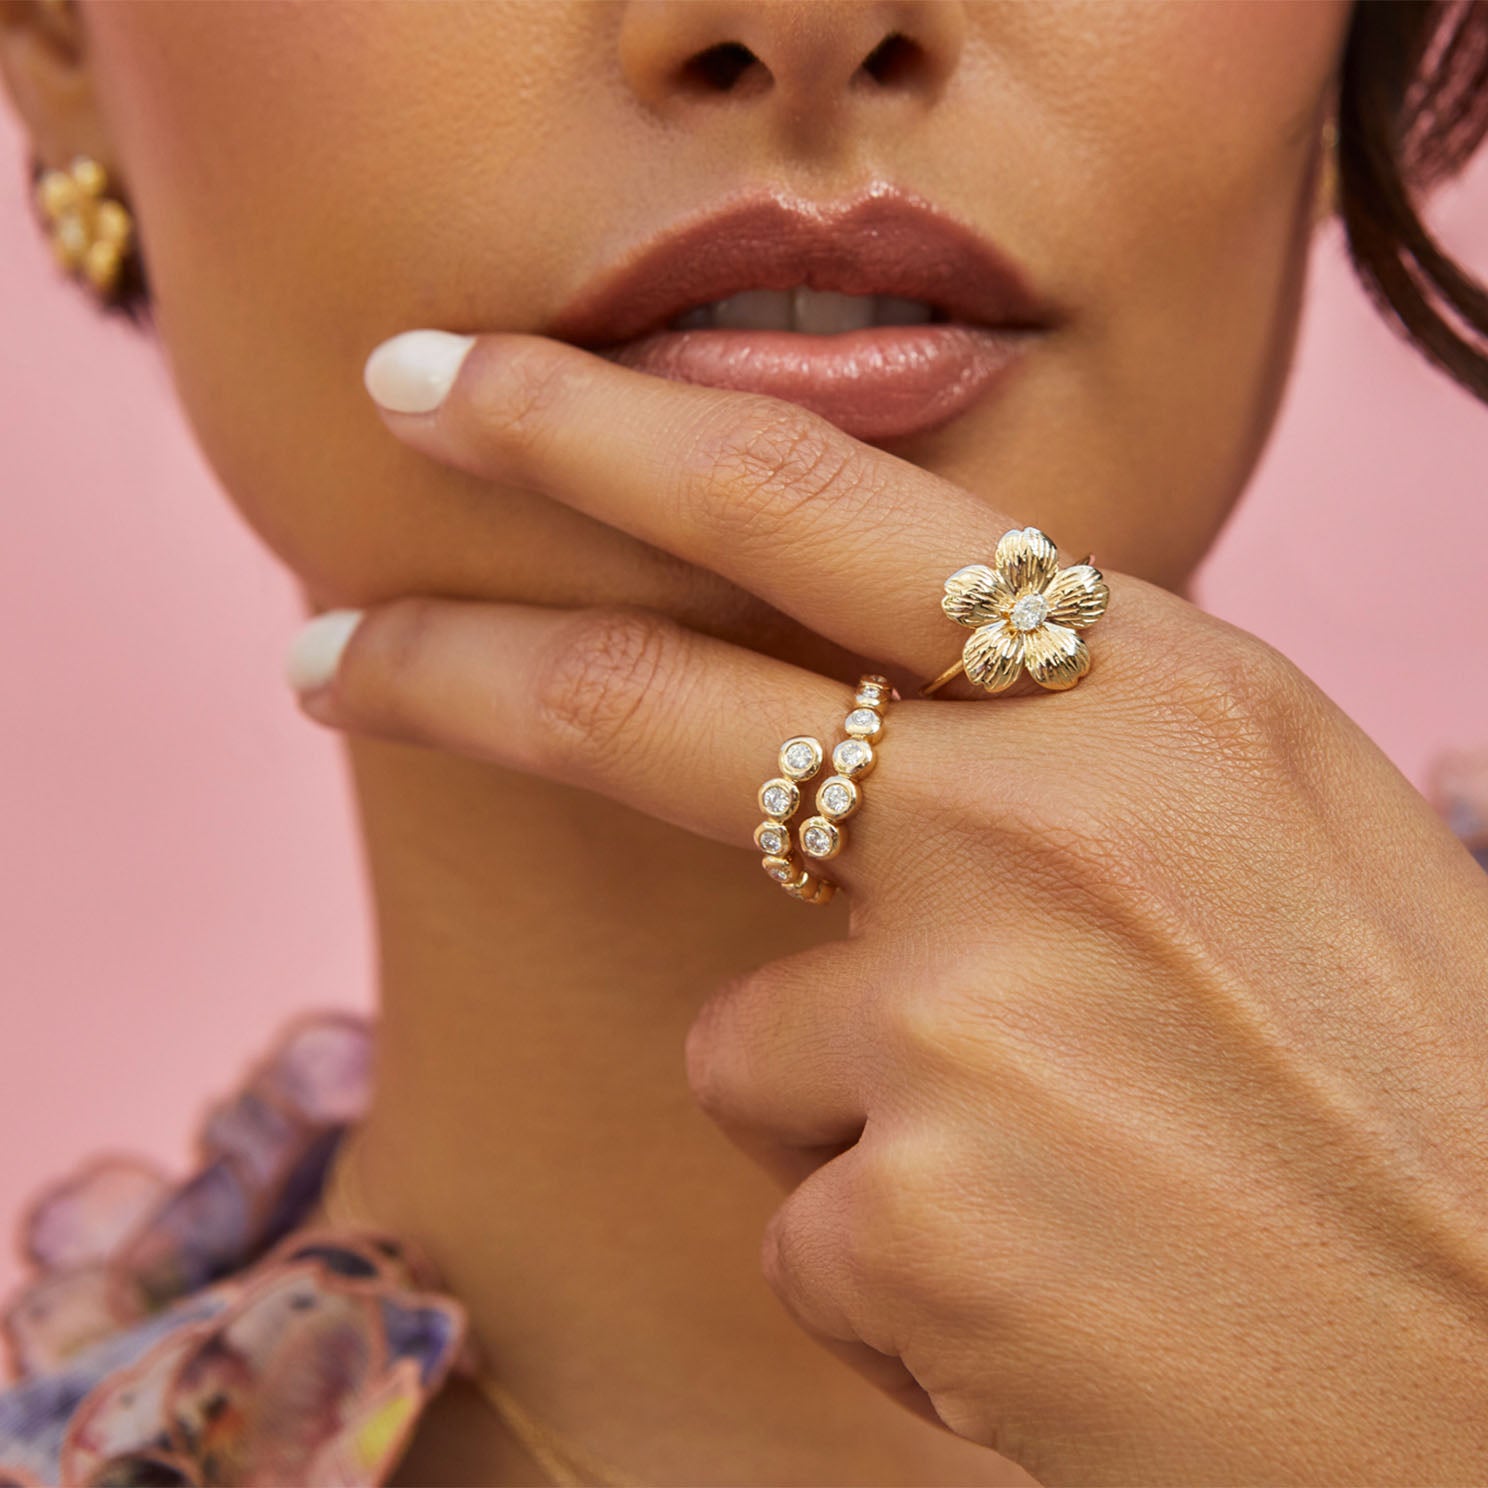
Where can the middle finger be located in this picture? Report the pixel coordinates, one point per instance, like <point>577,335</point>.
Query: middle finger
<point>625,702</point>
<point>848,539</point>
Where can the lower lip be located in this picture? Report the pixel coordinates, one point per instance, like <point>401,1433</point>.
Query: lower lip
<point>882,382</point>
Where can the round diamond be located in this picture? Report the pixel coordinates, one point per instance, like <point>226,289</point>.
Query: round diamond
<point>863,723</point>
<point>820,839</point>
<point>778,798</point>
<point>852,757</point>
<point>836,798</point>
<point>800,758</point>
<point>779,869</point>
<point>1029,613</point>
<point>772,838</point>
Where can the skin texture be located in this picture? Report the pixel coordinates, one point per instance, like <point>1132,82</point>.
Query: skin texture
<point>309,179</point>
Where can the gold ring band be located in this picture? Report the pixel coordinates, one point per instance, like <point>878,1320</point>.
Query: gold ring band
<point>801,758</point>
<point>780,798</point>
<point>853,758</point>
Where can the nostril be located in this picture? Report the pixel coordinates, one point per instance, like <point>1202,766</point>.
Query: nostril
<point>719,67</point>
<point>894,57</point>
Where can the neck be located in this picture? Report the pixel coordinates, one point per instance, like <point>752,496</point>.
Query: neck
<point>542,955</point>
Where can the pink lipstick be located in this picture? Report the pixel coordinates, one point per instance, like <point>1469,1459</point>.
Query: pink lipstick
<point>880,313</point>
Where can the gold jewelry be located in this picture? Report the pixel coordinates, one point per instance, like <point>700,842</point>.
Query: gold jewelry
<point>565,1462</point>
<point>1024,614</point>
<point>780,798</point>
<point>840,794</point>
<point>91,232</point>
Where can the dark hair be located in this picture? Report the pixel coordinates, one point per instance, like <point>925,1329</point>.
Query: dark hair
<point>1412,109</point>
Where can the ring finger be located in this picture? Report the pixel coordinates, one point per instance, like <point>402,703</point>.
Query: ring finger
<point>625,702</point>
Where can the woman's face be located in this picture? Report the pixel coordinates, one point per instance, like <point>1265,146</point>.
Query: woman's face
<point>310,178</point>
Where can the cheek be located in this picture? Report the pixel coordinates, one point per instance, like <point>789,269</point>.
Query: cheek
<point>311,178</point>
<point>1182,218</point>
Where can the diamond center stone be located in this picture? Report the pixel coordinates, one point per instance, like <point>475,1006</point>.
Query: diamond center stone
<point>1029,613</point>
<point>799,757</point>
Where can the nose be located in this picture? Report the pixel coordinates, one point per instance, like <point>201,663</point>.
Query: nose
<point>803,63</point>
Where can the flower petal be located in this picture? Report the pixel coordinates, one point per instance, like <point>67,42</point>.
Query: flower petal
<point>1026,559</point>
<point>975,595</point>
<point>994,656</point>
<point>1077,597</point>
<point>1055,656</point>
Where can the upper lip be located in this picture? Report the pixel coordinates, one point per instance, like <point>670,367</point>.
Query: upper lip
<point>885,241</point>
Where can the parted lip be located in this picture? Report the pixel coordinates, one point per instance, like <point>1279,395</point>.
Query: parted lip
<point>885,241</point>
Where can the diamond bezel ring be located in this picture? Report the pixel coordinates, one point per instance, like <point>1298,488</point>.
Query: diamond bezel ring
<point>854,758</point>
<point>779,798</point>
<point>837,797</point>
<point>801,757</point>
<point>773,838</point>
<point>820,837</point>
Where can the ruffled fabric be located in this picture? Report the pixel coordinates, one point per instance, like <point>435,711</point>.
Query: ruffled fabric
<point>1457,785</point>
<point>190,1333</point>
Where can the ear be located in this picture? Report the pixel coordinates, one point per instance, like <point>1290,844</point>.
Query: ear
<point>45,66</point>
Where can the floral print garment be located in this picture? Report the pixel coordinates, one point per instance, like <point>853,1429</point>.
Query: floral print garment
<point>188,1333</point>
<point>191,1333</point>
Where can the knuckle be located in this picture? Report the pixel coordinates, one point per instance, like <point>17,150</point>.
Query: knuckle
<point>391,648</point>
<point>1059,821</point>
<point>774,466</point>
<point>1242,693</point>
<point>779,1251</point>
<point>932,1026</point>
<point>602,669</point>
<point>1089,856</point>
<point>898,1227</point>
<point>519,398</point>
<point>790,1253</point>
<point>710,1072</point>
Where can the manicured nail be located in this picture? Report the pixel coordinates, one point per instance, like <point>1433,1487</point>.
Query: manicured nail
<point>412,373</point>
<point>316,651</point>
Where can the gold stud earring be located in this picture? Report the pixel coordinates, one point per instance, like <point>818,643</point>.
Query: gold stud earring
<point>92,233</point>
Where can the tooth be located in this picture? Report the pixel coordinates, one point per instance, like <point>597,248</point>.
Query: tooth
<point>891,310</point>
<point>694,319</point>
<point>755,310</point>
<point>824,312</point>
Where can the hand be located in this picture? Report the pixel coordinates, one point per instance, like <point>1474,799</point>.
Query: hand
<point>1140,1123</point>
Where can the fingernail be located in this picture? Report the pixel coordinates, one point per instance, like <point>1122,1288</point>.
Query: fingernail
<point>316,651</point>
<point>413,373</point>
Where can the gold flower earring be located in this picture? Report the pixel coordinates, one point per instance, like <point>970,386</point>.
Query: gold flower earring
<point>92,232</point>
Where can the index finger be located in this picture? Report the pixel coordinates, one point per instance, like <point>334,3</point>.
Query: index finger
<point>850,540</point>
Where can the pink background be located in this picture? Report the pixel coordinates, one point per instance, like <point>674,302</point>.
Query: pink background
<point>177,868</point>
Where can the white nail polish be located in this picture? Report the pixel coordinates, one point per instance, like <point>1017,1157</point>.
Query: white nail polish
<point>413,372</point>
<point>316,651</point>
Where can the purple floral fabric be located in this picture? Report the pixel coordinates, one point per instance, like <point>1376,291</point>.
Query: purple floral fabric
<point>190,1333</point>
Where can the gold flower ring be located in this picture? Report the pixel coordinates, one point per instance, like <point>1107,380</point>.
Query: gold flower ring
<point>1025,614</point>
